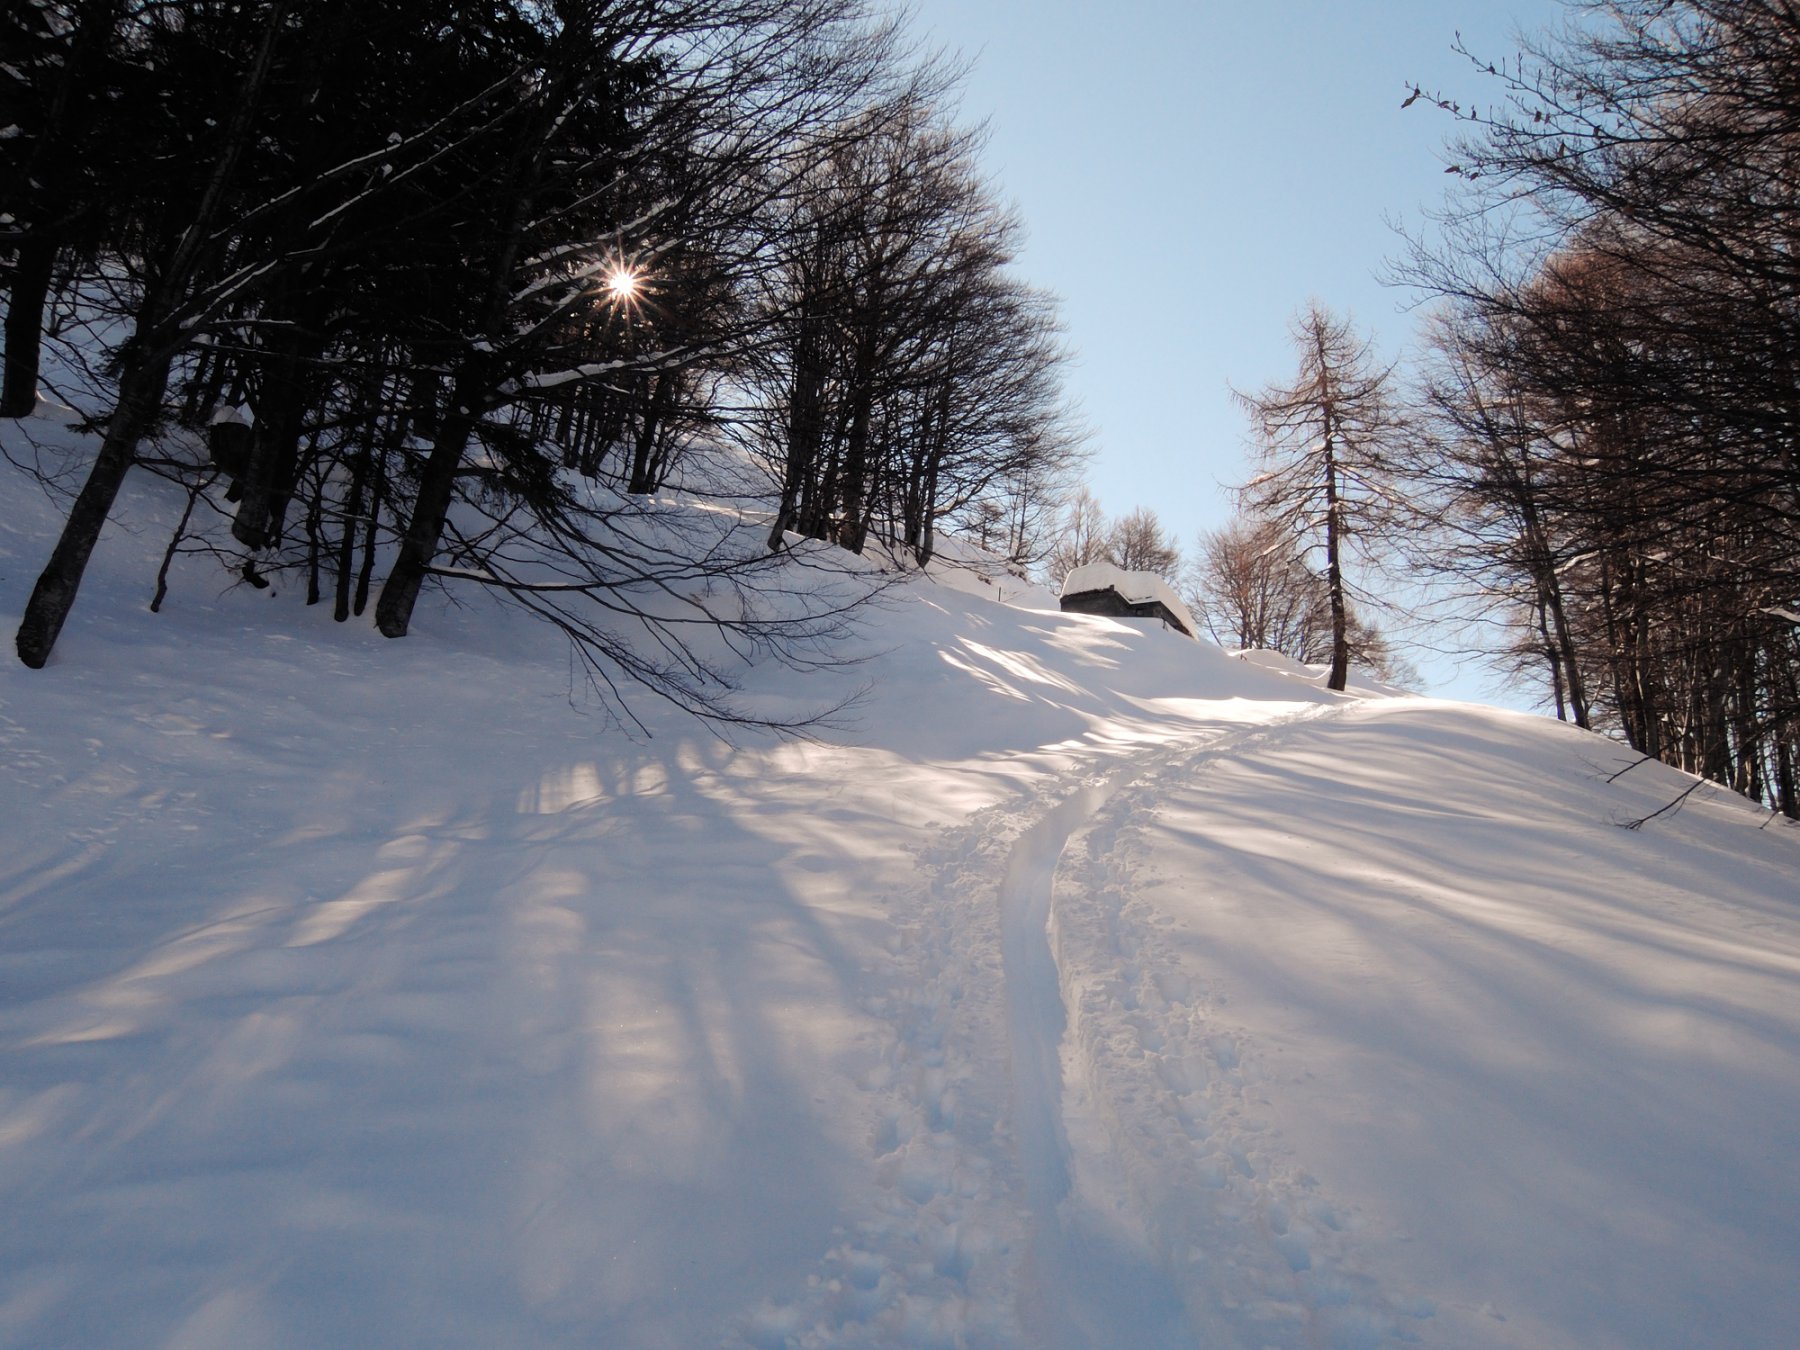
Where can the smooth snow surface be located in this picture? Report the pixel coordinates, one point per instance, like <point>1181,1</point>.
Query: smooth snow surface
<point>1090,988</point>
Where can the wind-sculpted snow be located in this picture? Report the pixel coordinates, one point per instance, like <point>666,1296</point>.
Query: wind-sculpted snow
<point>1088,988</point>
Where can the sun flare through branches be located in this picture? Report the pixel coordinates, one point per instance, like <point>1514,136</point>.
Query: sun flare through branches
<point>624,284</point>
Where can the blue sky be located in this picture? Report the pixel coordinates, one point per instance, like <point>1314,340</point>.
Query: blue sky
<point>1190,174</point>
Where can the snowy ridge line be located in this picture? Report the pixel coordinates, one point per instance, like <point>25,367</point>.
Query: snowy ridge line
<point>1165,1091</point>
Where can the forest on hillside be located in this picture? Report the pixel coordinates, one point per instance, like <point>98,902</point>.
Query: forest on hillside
<point>1591,464</point>
<point>452,291</point>
<point>1609,405</point>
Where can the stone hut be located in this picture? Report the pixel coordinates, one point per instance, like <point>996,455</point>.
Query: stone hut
<point>1101,588</point>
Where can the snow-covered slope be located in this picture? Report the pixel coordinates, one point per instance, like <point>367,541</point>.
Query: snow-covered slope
<point>1089,988</point>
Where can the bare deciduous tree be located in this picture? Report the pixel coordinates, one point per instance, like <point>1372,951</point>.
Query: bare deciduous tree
<point>1081,536</point>
<point>1250,590</point>
<point>1616,439</point>
<point>1137,542</point>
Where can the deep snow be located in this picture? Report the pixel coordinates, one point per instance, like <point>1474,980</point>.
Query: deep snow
<point>1090,988</point>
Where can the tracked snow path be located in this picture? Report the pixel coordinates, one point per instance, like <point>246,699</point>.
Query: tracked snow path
<point>1012,1205</point>
<point>1069,1131</point>
<point>1036,1018</point>
<point>1087,1283</point>
<point>1171,1149</point>
<point>1163,1210</point>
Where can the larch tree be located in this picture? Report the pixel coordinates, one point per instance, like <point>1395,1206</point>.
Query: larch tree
<point>1321,444</point>
<point>1250,588</point>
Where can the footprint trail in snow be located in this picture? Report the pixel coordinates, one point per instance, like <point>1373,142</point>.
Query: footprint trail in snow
<point>1087,1283</point>
<point>1068,1148</point>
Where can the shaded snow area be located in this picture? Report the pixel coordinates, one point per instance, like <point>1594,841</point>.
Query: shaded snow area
<point>1088,987</point>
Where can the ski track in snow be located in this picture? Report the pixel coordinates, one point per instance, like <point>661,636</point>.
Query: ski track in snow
<point>1069,1149</point>
<point>1164,1094</point>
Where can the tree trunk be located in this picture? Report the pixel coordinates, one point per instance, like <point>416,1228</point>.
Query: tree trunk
<point>64,142</point>
<point>346,552</point>
<point>1571,668</point>
<point>140,393</point>
<point>25,325</point>
<point>268,480</point>
<point>928,523</point>
<point>365,571</point>
<point>1787,790</point>
<point>855,470</point>
<point>805,434</point>
<point>1334,579</point>
<point>937,443</point>
<point>1552,658</point>
<point>643,461</point>
<point>1550,601</point>
<point>315,544</point>
<point>437,482</point>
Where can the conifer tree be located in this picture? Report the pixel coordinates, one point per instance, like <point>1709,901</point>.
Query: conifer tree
<point>1322,445</point>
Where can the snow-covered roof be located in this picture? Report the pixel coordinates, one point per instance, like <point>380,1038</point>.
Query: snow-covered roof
<point>1136,588</point>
